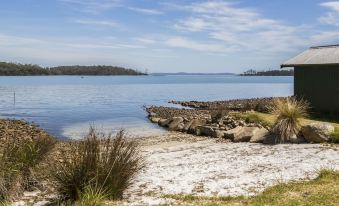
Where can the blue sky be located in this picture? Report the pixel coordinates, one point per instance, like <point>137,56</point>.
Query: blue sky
<point>165,35</point>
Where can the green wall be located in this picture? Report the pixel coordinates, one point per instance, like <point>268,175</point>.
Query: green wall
<point>319,85</point>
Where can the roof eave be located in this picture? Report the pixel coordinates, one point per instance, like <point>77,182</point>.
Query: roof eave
<point>303,65</point>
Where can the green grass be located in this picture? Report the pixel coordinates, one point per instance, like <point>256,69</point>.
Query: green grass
<point>91,196</point>
<point>255,117</point>
<point>335,135</point>
<point>324,190</point>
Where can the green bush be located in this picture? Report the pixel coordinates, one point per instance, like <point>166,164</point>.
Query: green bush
<point>102,162</point>
<point>288,112</point>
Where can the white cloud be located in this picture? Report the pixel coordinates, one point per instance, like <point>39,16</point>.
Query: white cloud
<point>63,51</point>
<point>92,6</point>
<point>97,23</point>
<point>334,5</point>
<point>144,40</point>
<point>181,42</point>
<point>332,17</point>
<point>242,29</point>
<point>146,11</point>
<point>10,40</point>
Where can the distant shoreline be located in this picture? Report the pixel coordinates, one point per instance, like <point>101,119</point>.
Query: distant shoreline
<point>185,73</point>
<point>15,69</point>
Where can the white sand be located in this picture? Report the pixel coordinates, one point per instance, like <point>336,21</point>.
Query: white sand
<point>209,168</point>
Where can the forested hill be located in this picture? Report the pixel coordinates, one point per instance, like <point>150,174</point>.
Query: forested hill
<point>13,69</point>
<point>280,72</point>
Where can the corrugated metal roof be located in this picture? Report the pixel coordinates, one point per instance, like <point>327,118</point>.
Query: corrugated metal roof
<point>315,56</point>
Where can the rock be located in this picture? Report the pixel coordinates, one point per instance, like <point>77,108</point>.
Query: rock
<point>205,130</point>
<point>173,125</point>
<point>317,132</point>
<point>181,127</point>
<point>154,119</point>
<point>270,139</point>
<point>187,125</point>
<point>194,124</point>
<point>259,135</point>
<point>230,134</point>
<point>164,122</point>
<point>297,139</point>
<point>245,134</point>
<point>219,133</point>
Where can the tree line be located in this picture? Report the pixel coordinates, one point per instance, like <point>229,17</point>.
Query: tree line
<point>15,69</point>
<point>277,72</point>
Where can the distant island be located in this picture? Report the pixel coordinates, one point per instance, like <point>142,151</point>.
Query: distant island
<point>186,73</point>
<point>14,69</point>
<point>280,72</point>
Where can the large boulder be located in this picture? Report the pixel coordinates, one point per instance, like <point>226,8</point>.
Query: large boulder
<point>219,133</point>
<point>270,139</point>
<point>317,132</point>
<point>260,135</point>
<point>164,122</point>
<point>205,130</point>
<point>176,121</point>
<point>245,134</point>
<point>193,124</point>
<point>154,119</point>
<point>231,134</point>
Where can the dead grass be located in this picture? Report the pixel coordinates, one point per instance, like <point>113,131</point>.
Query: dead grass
<point>324,190</point>
<point>19,157</point>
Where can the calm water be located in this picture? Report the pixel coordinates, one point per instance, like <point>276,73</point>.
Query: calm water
<point>67,105</point>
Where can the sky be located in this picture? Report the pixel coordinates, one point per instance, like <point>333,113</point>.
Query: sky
<point>165,35</point>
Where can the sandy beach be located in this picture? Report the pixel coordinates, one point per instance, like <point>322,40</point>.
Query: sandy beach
<point>184,164</point>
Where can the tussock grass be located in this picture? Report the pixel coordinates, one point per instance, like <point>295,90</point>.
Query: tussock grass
<point>322,191</point>
<point>108,164</point>
<point>91,196</point>
<point>18,160</point>
<point>288,114</point>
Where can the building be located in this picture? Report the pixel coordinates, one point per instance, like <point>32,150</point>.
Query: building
<point>316,77</point>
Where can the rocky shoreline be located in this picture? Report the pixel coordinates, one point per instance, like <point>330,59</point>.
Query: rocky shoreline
<point>219,120</point>
<point>256,104</point>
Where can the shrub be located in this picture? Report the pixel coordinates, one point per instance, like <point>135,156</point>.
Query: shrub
<point>102,162</point>
<point>18,159</point>
<point>288,114</point>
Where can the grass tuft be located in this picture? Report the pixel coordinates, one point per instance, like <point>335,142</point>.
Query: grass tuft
<point>102,162</point>
<point>288,113</point>
<point>91,196</point>
<point>18,159</point>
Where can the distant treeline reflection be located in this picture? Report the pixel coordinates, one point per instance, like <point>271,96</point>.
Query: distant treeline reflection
<point>14,69</point>
<point>280,72</point>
